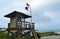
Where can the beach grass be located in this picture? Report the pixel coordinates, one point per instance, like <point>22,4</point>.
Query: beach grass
<point>4,35</point>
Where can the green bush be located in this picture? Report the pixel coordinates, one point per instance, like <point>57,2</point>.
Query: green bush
<point>47,33</point>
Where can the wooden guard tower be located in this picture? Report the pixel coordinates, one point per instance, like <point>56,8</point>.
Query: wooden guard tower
<point>18,25</point>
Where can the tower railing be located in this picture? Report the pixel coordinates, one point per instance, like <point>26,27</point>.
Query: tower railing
<point>26,25</point>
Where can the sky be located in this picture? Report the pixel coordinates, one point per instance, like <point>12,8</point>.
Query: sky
<point>45,13</point>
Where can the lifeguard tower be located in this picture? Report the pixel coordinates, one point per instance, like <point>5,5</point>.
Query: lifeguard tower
<point>19,26</point>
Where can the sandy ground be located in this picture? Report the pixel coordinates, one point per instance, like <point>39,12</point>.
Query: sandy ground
<point>51,37</point>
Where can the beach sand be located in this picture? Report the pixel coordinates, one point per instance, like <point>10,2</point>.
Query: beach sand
<point>50,37</point>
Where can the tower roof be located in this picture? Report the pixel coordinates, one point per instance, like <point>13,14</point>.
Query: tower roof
<point>14,13</point>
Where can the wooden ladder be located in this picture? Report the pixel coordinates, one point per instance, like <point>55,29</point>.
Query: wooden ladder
<point>35,34</point>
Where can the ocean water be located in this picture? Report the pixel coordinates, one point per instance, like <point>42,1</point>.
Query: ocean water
<point>49,30</point>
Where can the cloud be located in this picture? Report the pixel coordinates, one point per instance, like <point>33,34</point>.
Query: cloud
<point>46,13</point>
<point>47,5</point>
<point>35,3</point>
<point>49,14</point>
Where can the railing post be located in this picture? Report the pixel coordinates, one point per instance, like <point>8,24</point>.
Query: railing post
<point>32,26</point>
<point>8,29</point>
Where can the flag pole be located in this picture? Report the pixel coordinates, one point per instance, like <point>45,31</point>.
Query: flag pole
<point>30,11</point>
<point>30,14</point>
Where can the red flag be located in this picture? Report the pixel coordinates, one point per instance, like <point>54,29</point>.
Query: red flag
<point>27,4</point>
